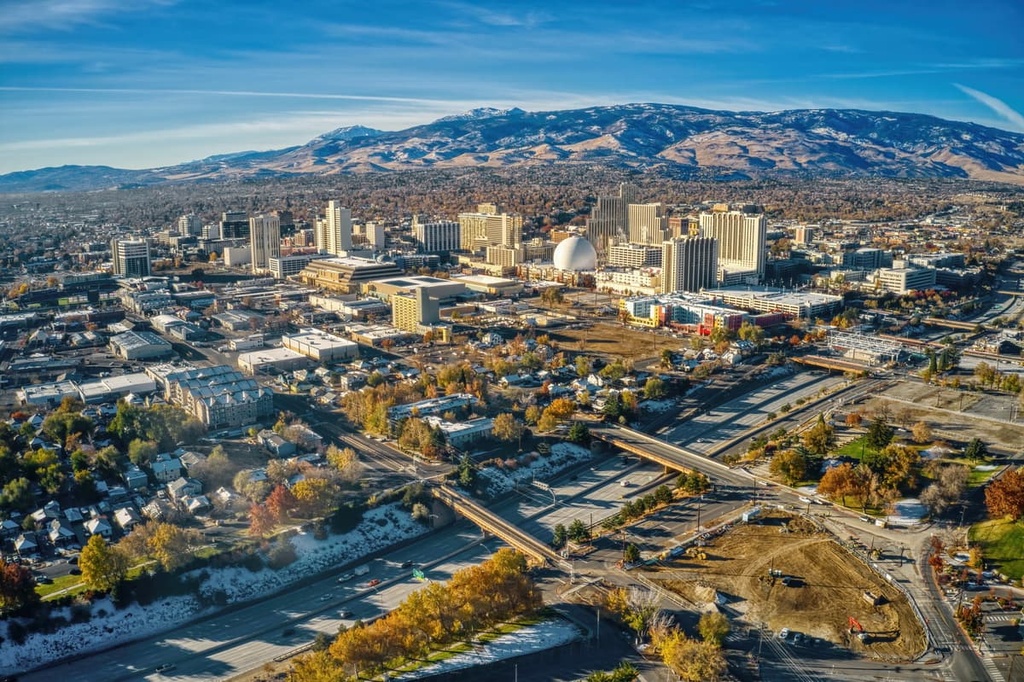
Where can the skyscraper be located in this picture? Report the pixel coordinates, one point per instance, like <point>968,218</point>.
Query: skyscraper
<point>130,257</point>
<point>610,217</point>
<point>234,225</point>
<point>742,239</point>
<point>437,235</point>
<point>488,227</point>
<point>648,223</point>
<point>689,264</point>
<point>336,236</point>
<point>265,241</point>
<point>190,224</point>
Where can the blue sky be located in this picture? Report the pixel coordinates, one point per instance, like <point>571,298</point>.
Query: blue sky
<point>145,83</point>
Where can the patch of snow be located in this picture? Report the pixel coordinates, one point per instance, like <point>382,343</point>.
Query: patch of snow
<point>656,405</point>
<point>563,456</point>
<point>936,452</point>
<point>530,639</point>
<point>986,467</point>
<point>907,512</point>
<point>380,527</point>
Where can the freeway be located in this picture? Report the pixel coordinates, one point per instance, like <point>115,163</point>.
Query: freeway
<point>234,641</point>
<point>702,433</point>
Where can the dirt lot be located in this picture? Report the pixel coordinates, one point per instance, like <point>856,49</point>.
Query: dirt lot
<point>615,340</point>
<point>831,587</point>
<point>982,416</point>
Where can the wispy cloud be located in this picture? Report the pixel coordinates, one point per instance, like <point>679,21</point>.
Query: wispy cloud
<point>1004,110</point>
<point>229,93</point>
<point>65,15</point>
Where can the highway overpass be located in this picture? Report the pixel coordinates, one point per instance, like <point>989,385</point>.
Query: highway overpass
<point>668,455</point>
<point>492,523</point>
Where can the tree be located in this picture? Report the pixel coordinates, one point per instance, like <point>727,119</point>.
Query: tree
<point>103,567</point>
<point>853,419</point>
<point>559,536</point>
<point>16,495</point>
<point>976,450</point>
<point>279,503</point>
<point>532,414</point>
<point>838,482</point>
<point>820,437</point>
<point>790,465</point>
<point>507,428</point>
<point>922,433</point>
<point>261,521</point>
<point>1004,497</point>
<point>693,661</point>
<point>879,433</point>
<point>713,628</point>
<point>578,531</point>
<point>467,472</point>
<point>631,554</point>
<point>665,359</point>
<point>345,461</point>
<point>579,433</point>
<point>654,389</point>
<point>315,496</point>
<point>170,545</point>
<point>142,452</point>
<point>17,588</point>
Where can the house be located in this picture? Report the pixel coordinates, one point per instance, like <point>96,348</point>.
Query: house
<point>277,445</point>
<point>225,497</point>
<point>306,438</point>
<point>26,544</point>
<point>189,460</point>
<point>60,532</point>
<point>157,509</point>
<point>181,488</point>
<point>166,468</point>
<point>127,518</point>
<point>134,477</point>
<point>51,510</point>
<point>197,504</point>
<point>9,528</point>
<point>73,515</point>
<point>99,526</point>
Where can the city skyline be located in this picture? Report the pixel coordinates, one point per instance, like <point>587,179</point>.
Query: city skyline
<point>147,84</point>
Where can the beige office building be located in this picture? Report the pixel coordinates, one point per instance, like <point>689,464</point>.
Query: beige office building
<point>689,264</point>
<point>265,241</point>
<point>648,223</point>
<point>742,239</point>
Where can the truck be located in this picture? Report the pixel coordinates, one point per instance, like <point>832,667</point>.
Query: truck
<point>361,570</point>
<point>751,514</point>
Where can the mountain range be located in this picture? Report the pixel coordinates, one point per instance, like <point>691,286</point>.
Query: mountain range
<point>679,140</point>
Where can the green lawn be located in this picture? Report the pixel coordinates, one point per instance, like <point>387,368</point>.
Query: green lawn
<point>73,583</point>
<point>855,448</point>
<point>1002,543</point>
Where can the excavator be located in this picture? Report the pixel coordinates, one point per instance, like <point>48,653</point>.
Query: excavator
<point>856,627</point>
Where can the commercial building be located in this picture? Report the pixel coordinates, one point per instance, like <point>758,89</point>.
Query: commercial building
<point>610,217</point>
<point>139,346</point>
<point>321,346</point>
<point>444,290</point>
<point>867,259</point>
<point>282,267</point>
<point>626,255</point>
<point>437,236</point>
<point>333,234</point>
<point>506,257</point>
<point>346,275</point>
<point>190,224</point>
<point>234,225</point>
<point>264,240</point>
<point>356,309</point>
<point>491,286</point>
<point>905,280</point>
<point>414,309</point>
<point>742,239</point>
<point>130,257</point>
<point>219,396</point>
<point>797,304</point>
<point>648,223</point>
<point>488,227</point>
<point>266,359</point>
<point>432,406</point>
<point>461,434</point>
<point>689,264</point>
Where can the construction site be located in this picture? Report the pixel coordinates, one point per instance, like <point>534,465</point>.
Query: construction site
<point>782,573</point>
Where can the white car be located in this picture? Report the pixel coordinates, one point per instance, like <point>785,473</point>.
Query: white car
<point>784,633</point>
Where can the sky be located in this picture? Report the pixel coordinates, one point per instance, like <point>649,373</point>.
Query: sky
<point>150,83</point>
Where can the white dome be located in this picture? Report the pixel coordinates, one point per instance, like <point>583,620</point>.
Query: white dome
<point>575,253</point>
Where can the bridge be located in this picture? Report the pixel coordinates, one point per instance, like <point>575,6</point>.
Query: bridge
<point>831,364</point>
<point>497,526</point>
<point>666,454</point>
<point>952,324</point>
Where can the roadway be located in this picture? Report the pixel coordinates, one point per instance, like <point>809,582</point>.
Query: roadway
<point>706,431</point>
<point>236,640</point>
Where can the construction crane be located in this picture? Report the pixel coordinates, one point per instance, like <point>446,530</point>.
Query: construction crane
<point>856,627</point>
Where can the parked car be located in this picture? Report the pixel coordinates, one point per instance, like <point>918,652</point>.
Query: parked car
<point>373,583</point>
<point>345,577</point>
<point>406,564</point>
<point>784,633</point>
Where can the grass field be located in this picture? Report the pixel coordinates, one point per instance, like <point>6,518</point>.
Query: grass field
<point>1002,543</point>
<point>856,448</point>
